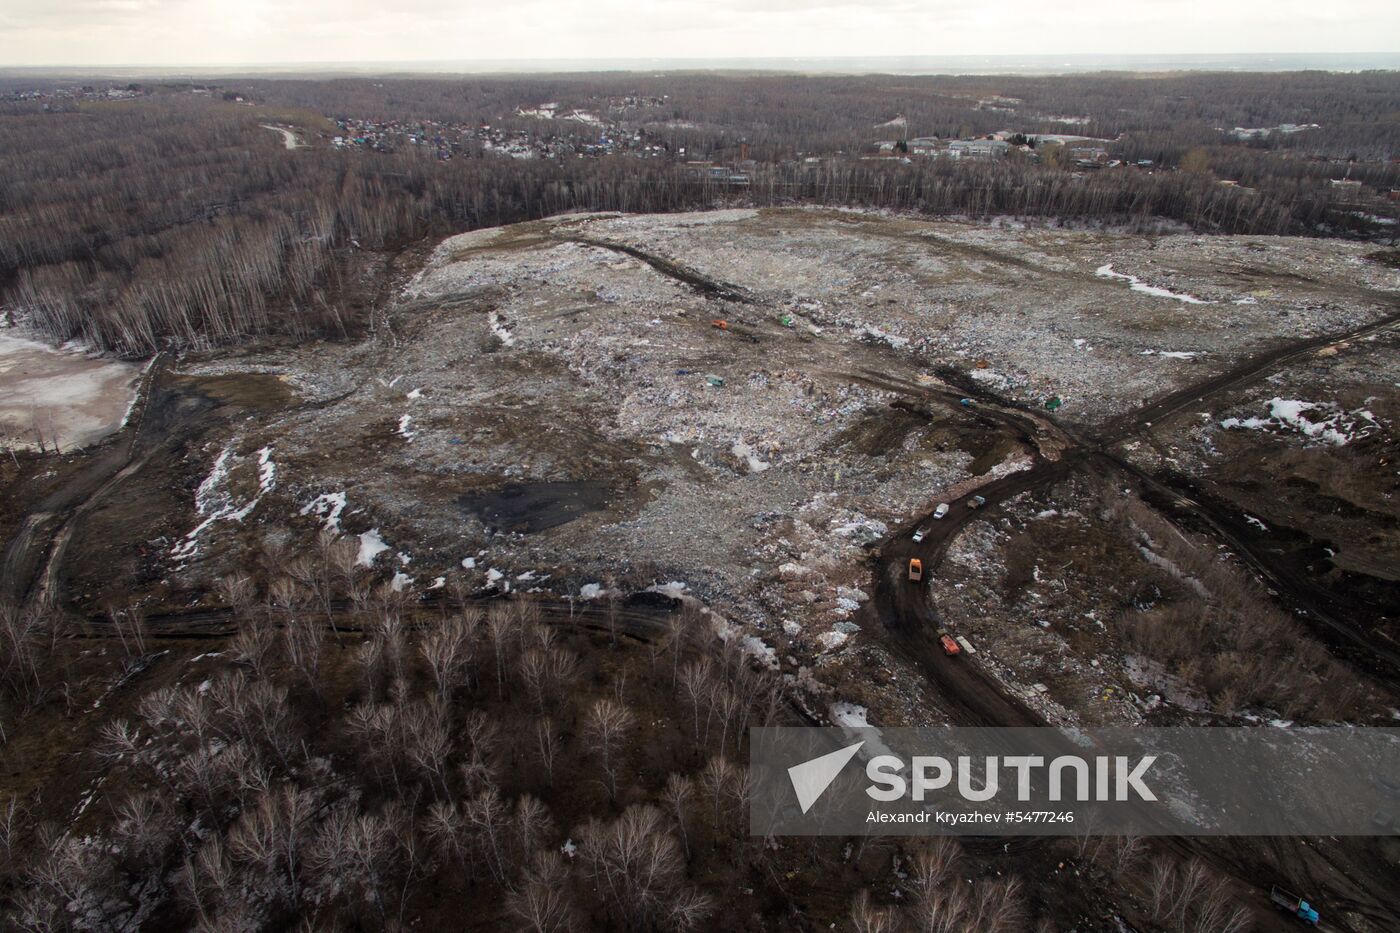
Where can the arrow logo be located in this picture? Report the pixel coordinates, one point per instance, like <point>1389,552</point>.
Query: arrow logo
<point>811,778</point>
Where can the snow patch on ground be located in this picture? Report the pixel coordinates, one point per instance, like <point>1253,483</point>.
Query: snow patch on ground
<point>327,507</point>
<point>1321,421</point>
<point>499,328</point>
<point>215,501</point>
<point>871,332</point>
<point>849,715</point>
<point>267,472</point>
<point>747,455</point>
<point>1105,271</point>
<point>371,546</point>
<point>760,651</point>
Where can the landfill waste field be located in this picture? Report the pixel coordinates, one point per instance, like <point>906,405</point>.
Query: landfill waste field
<point>897,471</point>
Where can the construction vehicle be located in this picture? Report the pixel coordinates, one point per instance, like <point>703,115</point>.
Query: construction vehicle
<point>950,647</point>
<point>916,569</point>
<point>941,511</point>
<point>720,324</point>
<point>1294,905</point>
<point>976,502</point>
<point>966,402</point>
<point>966,645</point>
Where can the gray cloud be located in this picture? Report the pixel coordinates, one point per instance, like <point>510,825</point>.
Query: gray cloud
<point>214,32</point>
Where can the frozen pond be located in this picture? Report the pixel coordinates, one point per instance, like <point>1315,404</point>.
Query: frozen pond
<point>62,395</point>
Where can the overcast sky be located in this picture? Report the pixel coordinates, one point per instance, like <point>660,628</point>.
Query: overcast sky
<point>231,32</point>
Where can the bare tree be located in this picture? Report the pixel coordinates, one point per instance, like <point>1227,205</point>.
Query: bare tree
<point>252,646</point>
<point>867,918</point>
<point>117,740</point>
<point>1162,888</point>
<point>1126,853</point>
<point>305,643</point>
<point>937,902</point>
<point>500,624</point>
<point>679,795</point>
<point>428,741</point>
<point>449,652</point>
<point>546,671</point>
<point>446,831</point>
<point>130,626</point>
<point>637,866</point>
<point>606,725</point>
<point>13,820</point>
<point>697,684</point>
<point>273,834</point>
<point>238,593</point>
<point>997,906</point>
<point>488,821</point>
<point>534,826</point>
<point>1217,912</point>
<point>1192,879</point>
<point>208,879</point>
<point>144,829</point>
<point>542,902</point>
<point>21,654</point>
<point>546,745</point>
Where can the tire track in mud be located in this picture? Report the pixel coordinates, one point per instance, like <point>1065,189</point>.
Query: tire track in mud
<point>694,279</point>
<point>169,416</point>
<point>22,580</point>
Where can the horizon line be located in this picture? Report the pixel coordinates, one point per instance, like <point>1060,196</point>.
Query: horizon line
<point>1037,63</point>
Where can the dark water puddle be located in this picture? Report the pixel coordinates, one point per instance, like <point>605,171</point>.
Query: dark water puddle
<point>526,508</point>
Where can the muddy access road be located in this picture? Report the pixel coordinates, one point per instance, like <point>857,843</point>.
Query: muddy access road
<point>1342,874</point>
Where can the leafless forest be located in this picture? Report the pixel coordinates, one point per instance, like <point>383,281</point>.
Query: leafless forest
<point>356,760</point>
<point>171,218</point>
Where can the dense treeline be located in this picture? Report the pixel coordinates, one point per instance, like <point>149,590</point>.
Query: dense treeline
<point>782,115</point>
<point>176,218</point>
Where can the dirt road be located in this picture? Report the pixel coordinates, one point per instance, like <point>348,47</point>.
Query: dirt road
<point>1345,877</point>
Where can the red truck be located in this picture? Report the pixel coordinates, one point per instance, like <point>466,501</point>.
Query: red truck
<point>950,645</point>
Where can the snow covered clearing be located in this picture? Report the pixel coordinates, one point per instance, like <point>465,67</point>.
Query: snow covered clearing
<point>64,396</point>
